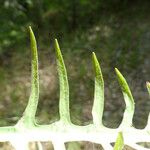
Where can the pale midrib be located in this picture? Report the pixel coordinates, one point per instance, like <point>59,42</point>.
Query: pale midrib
<point>71,132</point>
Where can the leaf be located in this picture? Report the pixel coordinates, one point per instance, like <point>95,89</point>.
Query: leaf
<point>119,144</point>
<point>64,86</point>
<point>98,106</point>
<point>129,111</point>
<point>30,111</point>
<point>148,87</point>
<point>148,121</point>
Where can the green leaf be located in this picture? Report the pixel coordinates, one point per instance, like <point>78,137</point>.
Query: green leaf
<point>148,121</point>
<point>129,111</point>
<point>148,87</point>
<point>119,144</point>
<point>30,111</point>
<point>98,106</point>
<point>64,86</point>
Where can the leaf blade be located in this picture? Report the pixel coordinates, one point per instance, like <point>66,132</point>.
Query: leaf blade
<point>30,111</point>
<point>148,120</point>
<point>148,87</point>
<point>98,105</point>
<point>64,86</point>
<point>129,101</point>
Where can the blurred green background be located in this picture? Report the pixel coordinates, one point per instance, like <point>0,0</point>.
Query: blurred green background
<point>118,31</point>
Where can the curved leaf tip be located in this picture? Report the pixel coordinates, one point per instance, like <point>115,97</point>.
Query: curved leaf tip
<point>97,69</point>
<point>31,34</point>
<point>123,84</point>
<point>95,63</point>
<point>93,55</point>
<point>56,44</point>
<point>59,54</point>
<point>30,29</point>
